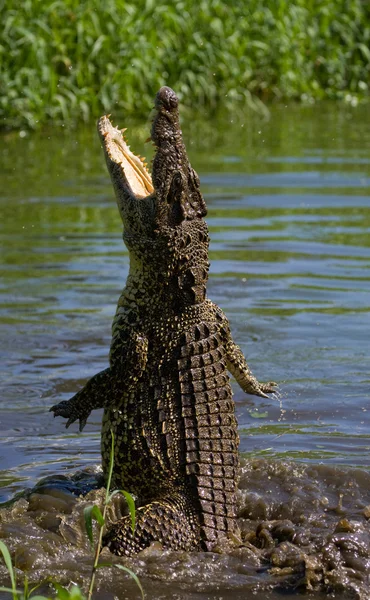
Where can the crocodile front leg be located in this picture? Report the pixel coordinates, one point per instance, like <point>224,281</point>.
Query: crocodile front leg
<point>95,393</point>
<point>107,387</point>
<point>236,362</point>
<point>238,367</point>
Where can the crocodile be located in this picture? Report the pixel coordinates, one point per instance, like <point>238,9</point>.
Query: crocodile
<point>166,393</point>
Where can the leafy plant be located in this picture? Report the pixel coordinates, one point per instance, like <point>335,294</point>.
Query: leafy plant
<point>67,61</point>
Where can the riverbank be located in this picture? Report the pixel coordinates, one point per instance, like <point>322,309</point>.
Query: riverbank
<point>69,61</point>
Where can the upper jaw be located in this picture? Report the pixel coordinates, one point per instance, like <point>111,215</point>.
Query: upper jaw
<point>128,171</point>
<point>123,162</point>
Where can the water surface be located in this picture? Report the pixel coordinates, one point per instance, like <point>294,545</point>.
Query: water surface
<point>289,216</point>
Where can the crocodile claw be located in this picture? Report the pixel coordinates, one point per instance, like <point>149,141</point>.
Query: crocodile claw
<point>269,387</point>
<point>82,423</point>
<point>64,409</point>
<point>263,389</point>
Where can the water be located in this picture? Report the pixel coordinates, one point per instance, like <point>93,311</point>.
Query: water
<point>289,218</point>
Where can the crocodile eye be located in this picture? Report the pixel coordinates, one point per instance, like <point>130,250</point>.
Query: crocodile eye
<point>177,179</point>
<point>173,101</point>
<point>175,187</point>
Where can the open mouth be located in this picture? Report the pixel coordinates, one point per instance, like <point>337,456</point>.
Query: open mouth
<point>133,168</point>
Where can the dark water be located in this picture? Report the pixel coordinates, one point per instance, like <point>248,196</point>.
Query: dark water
<point>289,217</point>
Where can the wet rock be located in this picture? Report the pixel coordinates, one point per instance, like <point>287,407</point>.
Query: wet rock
<point>366,512</point>
<point>283,531</point>
<point>344,526</point>
<point>49,503</point>
<point>331,556</point>
<point>356,544</point>
<point>287,555</point>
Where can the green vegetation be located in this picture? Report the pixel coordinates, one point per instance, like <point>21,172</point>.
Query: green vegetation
<point>69,60</point>
<point>91,513</point>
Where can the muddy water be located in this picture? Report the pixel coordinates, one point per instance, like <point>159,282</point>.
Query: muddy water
<point>289,215</point>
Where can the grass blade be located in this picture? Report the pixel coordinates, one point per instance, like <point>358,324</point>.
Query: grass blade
<point>133,576</point>
<point>75,593</point>
<point>131,506</point>
<point>92,513</point>
<point>111,464</point>
<point>9,565</point>
<point>63,593</point>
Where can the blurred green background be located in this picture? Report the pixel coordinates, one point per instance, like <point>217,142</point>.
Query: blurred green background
<point>66,61</point>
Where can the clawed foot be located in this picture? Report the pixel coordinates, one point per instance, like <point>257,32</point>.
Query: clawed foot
<point>269,387</point>
<point>263,389</point>
<point>67,410</point>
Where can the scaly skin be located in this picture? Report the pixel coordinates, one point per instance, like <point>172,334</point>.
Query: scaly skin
<point>166,394</point>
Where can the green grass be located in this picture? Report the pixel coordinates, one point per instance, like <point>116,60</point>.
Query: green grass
<point>67,61</point>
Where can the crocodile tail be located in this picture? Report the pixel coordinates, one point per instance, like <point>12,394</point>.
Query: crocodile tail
<point>210,434</point>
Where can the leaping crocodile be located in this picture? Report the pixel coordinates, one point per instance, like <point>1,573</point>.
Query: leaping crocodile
<point>166,393</point>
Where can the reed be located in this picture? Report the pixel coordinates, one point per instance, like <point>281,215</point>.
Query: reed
<point>69,60</point>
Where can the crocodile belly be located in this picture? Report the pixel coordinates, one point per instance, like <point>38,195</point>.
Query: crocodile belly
<point>139,465</point>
